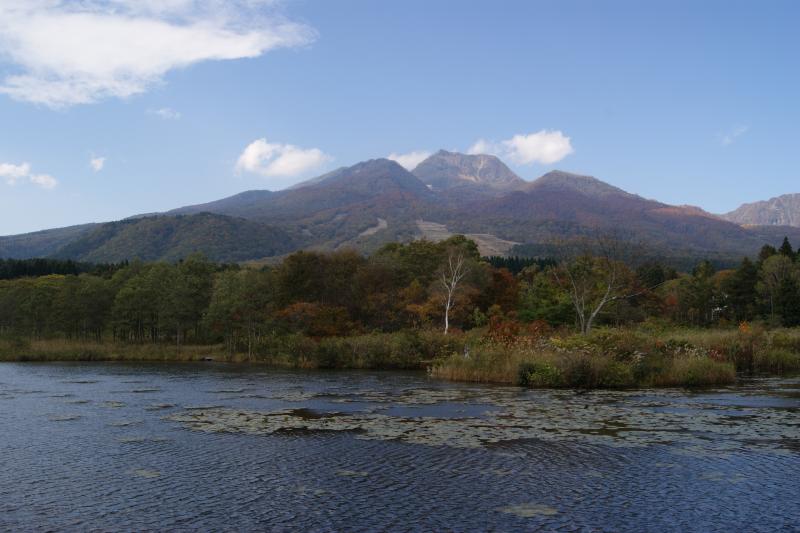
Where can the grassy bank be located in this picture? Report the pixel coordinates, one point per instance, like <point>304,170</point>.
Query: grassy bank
<point>402,350</point>
<point>543,367</point>
<point>619,358</point>
<point>76,351</point>
<point>608,358</point>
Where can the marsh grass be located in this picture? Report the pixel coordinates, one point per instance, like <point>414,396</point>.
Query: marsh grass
<point>400,350</point>
<point>607,358</point>
<point>66,350</point>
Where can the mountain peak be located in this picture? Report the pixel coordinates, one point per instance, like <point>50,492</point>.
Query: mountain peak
<point>447,170</point>
<point>589,185</point>
<point>779,211</point>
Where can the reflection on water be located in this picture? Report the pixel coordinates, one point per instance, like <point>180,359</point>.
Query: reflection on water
<point>237,448</point>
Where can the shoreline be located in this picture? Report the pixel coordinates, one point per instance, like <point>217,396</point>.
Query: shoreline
<point>611,358</point>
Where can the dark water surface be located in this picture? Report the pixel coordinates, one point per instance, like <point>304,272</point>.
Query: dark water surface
<point>232,448</point>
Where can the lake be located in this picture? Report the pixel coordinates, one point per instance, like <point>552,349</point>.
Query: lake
<point>238,448</point>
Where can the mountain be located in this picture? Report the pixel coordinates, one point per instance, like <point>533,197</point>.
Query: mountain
<point>560,205</point>
<point>780,211</point>
<point>363,205</point>
<point>446,171</point>
<point>558,180</point>
<point>244,203</point>
<point>169,238</point>
<point>40,243</point>
<point>374,202</point>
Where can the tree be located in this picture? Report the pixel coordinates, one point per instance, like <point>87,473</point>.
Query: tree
<point>540,298</point>
<point>741,290</point>
<point>766,252</point>
<point>240,303</point>
<point>774,270</point>
<point>450,278</point>
<point>188,296</point>
<point>703,297</point>
<point>593,277</point>
<point>786,249</point>
<point>788,302</point>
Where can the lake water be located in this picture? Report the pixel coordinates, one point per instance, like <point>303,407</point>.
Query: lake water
<point>237,448</point>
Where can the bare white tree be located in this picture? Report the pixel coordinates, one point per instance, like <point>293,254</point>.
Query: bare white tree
<point>451,277</point>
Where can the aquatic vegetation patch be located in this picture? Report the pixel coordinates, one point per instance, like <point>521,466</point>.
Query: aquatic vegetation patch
<point>139,439</point>
<point>126,423</point>
<point>159,406</point>
<point>614,418</point>
<point>113,404</point>
<point>352,473</point>
<point>147,474</point>
<point>528,510</point>
<point>63,418</point>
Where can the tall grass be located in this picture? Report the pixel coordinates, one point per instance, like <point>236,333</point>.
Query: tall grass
<point>605,359</point>
<point>67,350</point>
<point>400,350</point>
<point>608,358</point>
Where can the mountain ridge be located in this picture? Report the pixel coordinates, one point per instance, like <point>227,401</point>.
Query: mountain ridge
<point>783,210</point>
<point>377,201</point>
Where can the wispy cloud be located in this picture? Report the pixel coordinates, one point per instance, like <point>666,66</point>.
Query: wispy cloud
<point>730,137</point>
<point>167,113</point>
<point>277,160</point>
<point>97,163</point>
<point>61,53</point>
<point>411,159</point>
<point>13,174</point>
<point>544,146</point>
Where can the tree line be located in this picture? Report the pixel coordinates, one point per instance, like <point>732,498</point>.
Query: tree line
<point>23,268</point>
<point>417,285</point>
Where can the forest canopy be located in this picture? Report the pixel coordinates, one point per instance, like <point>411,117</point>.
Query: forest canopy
<point>399,287</point>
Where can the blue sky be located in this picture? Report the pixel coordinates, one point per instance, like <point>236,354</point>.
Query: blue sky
<point>186,101</point>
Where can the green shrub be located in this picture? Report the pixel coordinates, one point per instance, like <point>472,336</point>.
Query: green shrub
<point>616,375</point>
<point>697,372</point>
<point>540,374</point>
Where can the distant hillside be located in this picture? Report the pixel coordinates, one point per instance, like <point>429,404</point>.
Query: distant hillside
<point>169,238</point>
<point>780,211</point>
<point>40,243</point>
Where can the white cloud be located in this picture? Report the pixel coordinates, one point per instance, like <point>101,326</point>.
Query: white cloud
<point>77,52</point>
<point>544,146</point>
<point>276,160</point>
<point>411,159</point>
<point>482,146</point>
<point>45,181</point>
<point>97,163</point>
<point>731,136</point>
<point>14,173</point>
<point>166,113</point>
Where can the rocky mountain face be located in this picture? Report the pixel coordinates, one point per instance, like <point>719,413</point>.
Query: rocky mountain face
<point>780,211</point>
<point>378,201</point>
<point>445,171</point>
